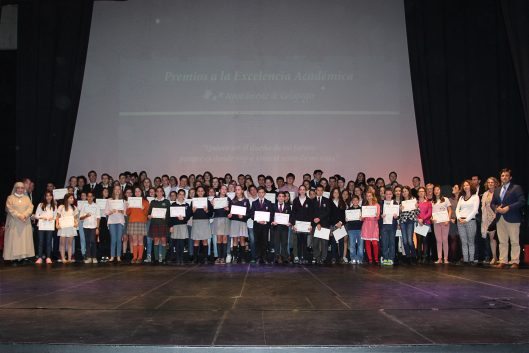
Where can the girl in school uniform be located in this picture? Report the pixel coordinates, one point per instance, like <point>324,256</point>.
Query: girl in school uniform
<point>104,233</point>
<point>407,221</point>
<point>67,234</point>
<point>201,229</point>
<point>89,213</point>
<point>221,225</point>
<point>302,210</point>
<point>370,231</point>
<point>441,204</point>
<point>178,229</point>
<point>137,226</point>
<point>116,223</point>
<point>212,241</point>
<point>159,227</point>
<point>336,220</point>
<point>46,214</point>
<point>238,226</point>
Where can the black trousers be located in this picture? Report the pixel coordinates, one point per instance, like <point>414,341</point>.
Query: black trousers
<point>281,241</point>
<point>90,241</point>
<point>260,232</point>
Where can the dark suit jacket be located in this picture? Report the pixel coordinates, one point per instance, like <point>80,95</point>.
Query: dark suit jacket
<point>514,198</point>
<point>286,209</point>
<point>267,207</point>
<point>322,212</point>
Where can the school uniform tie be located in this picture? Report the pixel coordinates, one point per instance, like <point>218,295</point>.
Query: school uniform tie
<point>319,201</point>
<point>281,208</point>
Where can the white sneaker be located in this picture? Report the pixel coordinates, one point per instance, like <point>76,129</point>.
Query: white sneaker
<point>345,260</point>
<point>296,260</point>
<point>228,259</point>
<point>148,259</point>
<point>87,261</point>
<point>94,260</point>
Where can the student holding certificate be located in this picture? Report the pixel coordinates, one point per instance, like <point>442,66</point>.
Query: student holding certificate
<point>389,229</point>
<point>115,211</point>
<point>137,226</point>
<point>239,226</point>
<point>90,215</point>
<point>370,231</point>
<point>221,224</point>
<point>280,231</point>
<point>178,230</point>
<point>441,208</point>
<point>354,227</point>
<point>302,210</point>
<point>261,228</point>
<point>201,229</point>
<point>45,214</point>
<point>407,221</point>
<point>423,218</point>
<point>336,221</point>
<point>159,229</point>
<point>67,212</point>
<point>466,210</point>
<point>320,219</point>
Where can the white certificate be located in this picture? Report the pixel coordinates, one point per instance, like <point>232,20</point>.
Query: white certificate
<point>261,216</point>
<point>134,202</point>
<point>149,198</point>
<point>422,229</point>
<point>58,194</point>
<point>158,212</point>
<point>238,210</point>
<point>322,233</point>
<point>116,205</point>
<point>80,204</point>
<point>369,211</point>
<point>270,196</point>
<point>178,211</point>
<point>220,202</point>
<point>231,195</point>
<point>389,212</point>
<point>200,202</point>
<point>398,233</point>
<point>292,196</point>
<point>282,218</point>
<point>102,203</point>
<point>339,233</point>
<point>66,221</point>
<point>409,205</point>
<point>440,217</point>
<point>352,215</point>
<point>303,227</point>
<point>327,194</point>
<point>44,224</point>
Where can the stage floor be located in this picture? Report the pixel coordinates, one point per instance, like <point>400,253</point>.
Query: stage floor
<point>256,305</point>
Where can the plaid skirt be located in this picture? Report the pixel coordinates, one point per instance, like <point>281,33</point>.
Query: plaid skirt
<point>158,230</point>
<point>201,229</point>
<point>238,229</point>
<point>180,232</point>
<point>220,226</point>
<point>137,228</point>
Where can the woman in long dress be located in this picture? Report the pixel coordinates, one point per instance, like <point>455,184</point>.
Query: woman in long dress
<point>18,241</point>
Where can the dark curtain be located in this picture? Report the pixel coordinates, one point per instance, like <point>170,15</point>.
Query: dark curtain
<point>52,46</point>
<point>516,16</point>
<point>467,101</point>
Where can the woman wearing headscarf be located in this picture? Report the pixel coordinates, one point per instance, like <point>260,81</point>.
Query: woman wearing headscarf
<point>18,241</point>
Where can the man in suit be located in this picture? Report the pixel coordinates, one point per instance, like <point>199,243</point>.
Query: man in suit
<point>92,185</point>
<point>317,177</point>
<point>261,229</point>
<point>104,184</point>
<point>507,202</point>
<point>280,231</point>
<point>321,220</point>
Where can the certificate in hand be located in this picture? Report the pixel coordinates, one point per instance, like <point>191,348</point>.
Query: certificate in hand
<point>220,202</point>
<point>270,196</point>
<point>339,233</point>
<point>440,217</point>
<point>409,205</point>
<point>327,194</point>
<point>178,211</point>
<point>116,205</point>
<point>352,215</point>
<point>158,212</point>
<point>200,202</point>
<point>322,233</point>
<point>58,194</point>
<point>261,216</point>
<point>134,202</point>
<point>102,203</point>
<point>302,227</point>
<point>238,210</point>
<point>282,218</point>
<point>422,229</point>
<point>231,195</point>
<point>66,221</point>
<point>389,212</point>
<point>369,211</point>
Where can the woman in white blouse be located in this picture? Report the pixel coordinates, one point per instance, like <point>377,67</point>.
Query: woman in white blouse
<point>466,210</point>
<point>488,216</point>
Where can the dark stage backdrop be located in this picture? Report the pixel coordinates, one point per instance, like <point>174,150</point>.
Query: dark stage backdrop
<point>52,43</point>
<point>467,99</point>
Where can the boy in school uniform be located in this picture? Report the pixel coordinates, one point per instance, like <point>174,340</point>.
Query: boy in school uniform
<point>261,229</point>
<point>320,220</point>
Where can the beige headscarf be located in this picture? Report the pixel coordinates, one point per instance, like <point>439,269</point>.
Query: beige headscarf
<point>17,184</point>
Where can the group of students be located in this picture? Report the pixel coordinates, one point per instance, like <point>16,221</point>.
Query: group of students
<point>205,219</point>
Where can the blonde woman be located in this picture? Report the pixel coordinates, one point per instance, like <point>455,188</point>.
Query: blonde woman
<point>488,223</point>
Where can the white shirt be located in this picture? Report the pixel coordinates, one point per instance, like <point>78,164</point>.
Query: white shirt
<point>441,206</point>
<point>468,208</point>
<point>40,214</point>
<point>94,210</point>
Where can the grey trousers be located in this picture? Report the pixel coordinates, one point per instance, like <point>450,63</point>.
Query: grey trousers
<point>467,233</point>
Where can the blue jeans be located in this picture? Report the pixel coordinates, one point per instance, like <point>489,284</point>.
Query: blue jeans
<point>355,253</point>
<point>406,229</point>
<point>251,239</point>
<point>82,238</point>
<point>45,234</point>
<point>388,241</point>
<point>116,231</point>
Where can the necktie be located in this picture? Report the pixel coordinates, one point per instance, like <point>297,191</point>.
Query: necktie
<point>280,208</point>
<point>261,201</point>
<point>503,191</point>
<point>319,201</point>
